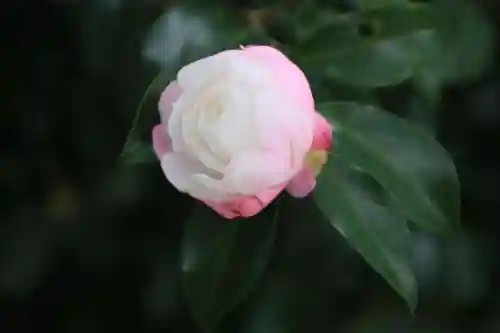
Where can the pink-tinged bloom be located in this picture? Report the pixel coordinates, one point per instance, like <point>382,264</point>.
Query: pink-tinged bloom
<point>237,128</point>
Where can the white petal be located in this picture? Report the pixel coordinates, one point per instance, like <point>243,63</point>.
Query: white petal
<point>235,130</point>
<point>208,188</point>
<point>190,176</point>
<point>195,74</point>
<point>192,135</point>
<point>178,168</point>
<point>250,173</point>
<point>285,127</point>
<point>174,129</point>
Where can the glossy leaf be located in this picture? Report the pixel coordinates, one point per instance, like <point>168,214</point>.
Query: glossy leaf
<point>416,170</point>
<point>357,209</point>
<point>135,150</point>
<point>223,260</point>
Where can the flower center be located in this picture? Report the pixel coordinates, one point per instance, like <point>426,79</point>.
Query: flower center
<point>316,159</point>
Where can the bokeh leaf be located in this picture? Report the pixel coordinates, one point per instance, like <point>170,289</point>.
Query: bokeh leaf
<point>381,236</point>
<point>373,65</point>
<point>371,4</point>
<point>184,34</point>
<point>223,260</point>
<point>370,49</point>
<point>465,40</point>
<point>460,48</point>
<point>415,169</point>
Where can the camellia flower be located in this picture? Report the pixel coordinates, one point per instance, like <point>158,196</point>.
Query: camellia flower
<point>238,127</point>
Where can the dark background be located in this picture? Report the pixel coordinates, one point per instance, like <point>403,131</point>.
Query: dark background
<point>87,246</point>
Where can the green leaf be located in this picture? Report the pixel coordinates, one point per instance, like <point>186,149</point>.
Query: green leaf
<point>331,32</point>
<point>422,112</point>
<point>370,49</point>
<point>460,48</point>
<point>414,168</point>
<point>137,152</point>
<point>398,21</point>
<point>372,4</point>
<point>379,64</point>
<point>134,149</point>
<point>358,210</point>
<point>223,260</point>
<point>465,38</point>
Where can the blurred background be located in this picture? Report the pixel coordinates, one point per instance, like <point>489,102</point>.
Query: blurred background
<point>86,246</point>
